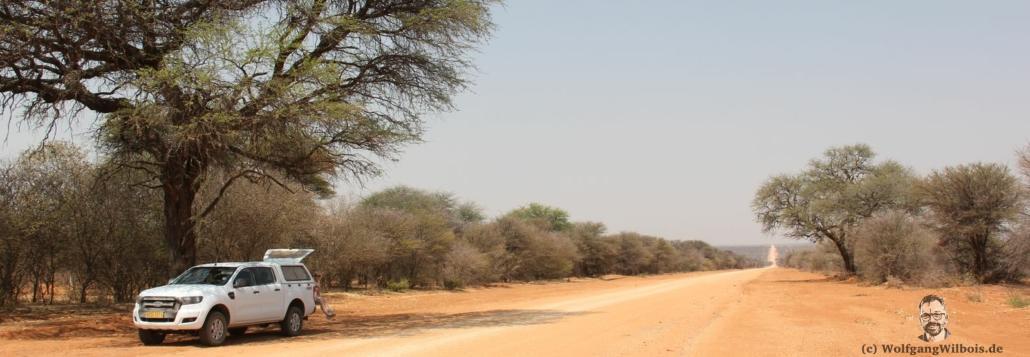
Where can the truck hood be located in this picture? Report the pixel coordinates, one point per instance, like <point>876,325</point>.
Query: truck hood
<point>181,290</point>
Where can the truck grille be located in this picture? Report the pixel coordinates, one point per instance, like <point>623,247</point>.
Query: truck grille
<point>158,309</point>
<point>159,303</point>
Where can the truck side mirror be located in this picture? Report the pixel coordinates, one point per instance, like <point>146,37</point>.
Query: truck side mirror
<point>239,283</point>
<point>170,281</point>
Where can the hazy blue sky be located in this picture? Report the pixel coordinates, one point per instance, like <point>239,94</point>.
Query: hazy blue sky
<point>663,117</point>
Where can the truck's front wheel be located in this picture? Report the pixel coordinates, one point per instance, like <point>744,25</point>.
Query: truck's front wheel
<point>293,322</point>
<point>151,338</point>
<point>215,329</point>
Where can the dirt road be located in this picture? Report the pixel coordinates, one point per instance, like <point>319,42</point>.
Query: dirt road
<point>648,320</point>
<point>759,312</point>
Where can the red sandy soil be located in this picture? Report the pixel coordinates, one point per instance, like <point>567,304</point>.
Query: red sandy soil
<point>758,312</point>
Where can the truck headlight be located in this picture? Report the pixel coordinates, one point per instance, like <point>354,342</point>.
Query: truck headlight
<point>191,300</point>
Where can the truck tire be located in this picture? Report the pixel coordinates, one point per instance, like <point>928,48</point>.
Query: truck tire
<point>237,331</point>
<point>214,331</point>
<point>150,338</point>
<point>293,323</point>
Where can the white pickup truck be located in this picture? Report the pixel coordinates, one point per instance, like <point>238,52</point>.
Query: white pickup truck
<point>218,299</point>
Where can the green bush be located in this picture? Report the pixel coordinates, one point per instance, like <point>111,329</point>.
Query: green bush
<point>398,285</point>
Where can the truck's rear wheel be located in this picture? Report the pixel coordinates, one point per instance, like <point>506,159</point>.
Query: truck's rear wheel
<point>151,338</point>
<point>214,331</point>
<point>293,322</point>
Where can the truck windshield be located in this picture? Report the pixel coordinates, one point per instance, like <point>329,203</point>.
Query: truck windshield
<point>205,275</point>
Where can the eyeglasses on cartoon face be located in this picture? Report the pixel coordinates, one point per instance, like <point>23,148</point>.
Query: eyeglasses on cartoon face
<point>937,316</point>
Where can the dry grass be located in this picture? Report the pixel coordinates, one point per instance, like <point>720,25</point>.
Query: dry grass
<point>1017,300</point>
<point>975,295</point>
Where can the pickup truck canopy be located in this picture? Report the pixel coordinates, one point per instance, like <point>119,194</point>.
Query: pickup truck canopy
<point>286,255</point>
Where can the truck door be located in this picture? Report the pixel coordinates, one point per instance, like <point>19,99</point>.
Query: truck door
<point>271,295</point>
<point>246,305</point>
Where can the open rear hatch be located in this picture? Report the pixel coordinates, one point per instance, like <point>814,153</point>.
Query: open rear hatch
<point>286,255</point>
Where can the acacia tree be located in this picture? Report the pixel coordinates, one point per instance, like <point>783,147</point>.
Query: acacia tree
<point>597,253</point>
<point>551,218</point>
<point>829,199</point>
<point>970,205</point>
<point>183,88</point>
<point>418,251</point>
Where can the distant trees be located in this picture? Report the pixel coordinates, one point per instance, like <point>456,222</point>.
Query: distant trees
<point>253,216</point>
<point>597,255</point>
<point>75,230</point>
<point>823,257</point>
<point>835,193</point>
<point>132,256</point>
<point>431,239</point>
<point>47,184</point>
<point>351,246</point>
<point>424,232</point>
<point>633,256</point>
<point>532,252</point>
<point>66,217</point>
<point>965,221</point>
<point>970,206</point>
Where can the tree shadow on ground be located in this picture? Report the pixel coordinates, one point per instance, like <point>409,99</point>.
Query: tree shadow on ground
<point>813,280</point>
<point>406,324</point>
<point>383,325</point>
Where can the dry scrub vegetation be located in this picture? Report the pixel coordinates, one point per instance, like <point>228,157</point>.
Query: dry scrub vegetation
<point>71,230</point>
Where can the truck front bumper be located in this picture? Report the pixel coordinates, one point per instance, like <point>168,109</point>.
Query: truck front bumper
<point>188,317</point>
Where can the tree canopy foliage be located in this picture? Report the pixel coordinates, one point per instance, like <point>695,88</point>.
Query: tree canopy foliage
<point>832,196</point>
<point>970,206</point>
<point>551,218</point>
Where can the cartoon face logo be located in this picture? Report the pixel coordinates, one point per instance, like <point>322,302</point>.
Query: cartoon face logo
<point>933,317</point>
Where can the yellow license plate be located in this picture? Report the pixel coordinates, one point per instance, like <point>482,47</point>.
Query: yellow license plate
<point>154,314</point>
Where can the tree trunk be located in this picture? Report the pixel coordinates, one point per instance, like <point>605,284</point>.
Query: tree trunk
<point>35,287</point>
<point>82,292</point>
<point>980,269</point>
<point>51,277</point>
<point>180,182</point>
<point>179,235</point>
<point>845,255</point>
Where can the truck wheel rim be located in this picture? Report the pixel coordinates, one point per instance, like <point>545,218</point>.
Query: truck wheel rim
<point>217,330</point>
<point>294,322</point>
